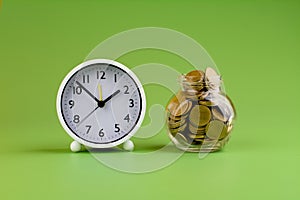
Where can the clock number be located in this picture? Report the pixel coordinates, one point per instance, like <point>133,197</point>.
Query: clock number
<point>76,119</point>
<point>101,133</point>
<point>131,103</point>
<point>127,118</point>
<point>71,103</point>
<point>126,89</point>
<point>85,78</point>
<point>117,128</point>
<point>77,90</point>
<point>88,128</point>
<point>101,75</point>
<point>115,78</point>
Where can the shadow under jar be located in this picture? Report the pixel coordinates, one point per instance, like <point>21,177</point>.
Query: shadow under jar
<point>200,116</point>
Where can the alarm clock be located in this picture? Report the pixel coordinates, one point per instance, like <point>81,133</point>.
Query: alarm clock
<point>101,104</point>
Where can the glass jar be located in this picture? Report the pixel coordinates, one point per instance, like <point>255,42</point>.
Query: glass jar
<point>200,116</point>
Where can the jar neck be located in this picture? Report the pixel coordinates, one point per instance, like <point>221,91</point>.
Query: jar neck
<point>191,84</point>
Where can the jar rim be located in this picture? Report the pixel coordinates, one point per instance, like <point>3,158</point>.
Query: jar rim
<point>183,78</point>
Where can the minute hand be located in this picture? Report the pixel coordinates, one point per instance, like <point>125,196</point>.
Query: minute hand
<point>88,92</point>
<point>111,96</point>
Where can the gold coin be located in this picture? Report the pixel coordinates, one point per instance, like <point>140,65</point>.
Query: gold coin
<point>196,96</point>
<point>206,103</point>
<point>219,114</point>
<point>182,108</point>
<point>175,124</point>
<point>177,118</point>
<point>196,136</point>
<point>199,139</point>
<point>190,104</point>
<point>213,89</point>
<point>191,92</point>
<point>202,95</point>
<point>210,100</point>
<point>180,138</point>
<point>196,75</point>
<point>211,76</point>
<point>192,86</point>
<point>185,108</point>
<point>196,130</point>
<point>201,132</point>
<point>178,129</point>
<point>197,142</point>
<point>200,115</point>
<point>216,130</point>
<point>223,112</point>
<point>210,72</point>
<point>192,98</point>
<point>189,83</point>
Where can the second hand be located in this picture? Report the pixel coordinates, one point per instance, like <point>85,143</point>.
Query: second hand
<point>100,92</point>
<point>100,99</point>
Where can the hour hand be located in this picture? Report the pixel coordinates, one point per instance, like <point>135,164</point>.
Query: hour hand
<point>88,92</point>
<point>111,96</point>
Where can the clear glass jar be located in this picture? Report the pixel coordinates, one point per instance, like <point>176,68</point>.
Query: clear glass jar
<point>200,116</point>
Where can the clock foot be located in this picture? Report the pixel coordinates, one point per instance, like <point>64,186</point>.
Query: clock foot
<point>75,146</point>
<point>128,145</point>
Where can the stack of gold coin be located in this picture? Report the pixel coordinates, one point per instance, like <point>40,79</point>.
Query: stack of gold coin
<point>212,79</point>
<point>198,84</point>
<point>200,116</point>
<point>178,109</point>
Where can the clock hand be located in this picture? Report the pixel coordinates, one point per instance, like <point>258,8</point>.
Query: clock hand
<point>100,103</point>
<point>88,92</point>
<point>100,92</point>
<point>88,115</point>
<point>111,96</point>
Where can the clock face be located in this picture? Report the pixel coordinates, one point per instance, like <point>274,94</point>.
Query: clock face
<point>101,103</point>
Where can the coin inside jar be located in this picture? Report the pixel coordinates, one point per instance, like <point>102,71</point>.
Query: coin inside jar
<point>175,124</point>
<point>180,128</point>
<point>216,130</point>
<point>180,138</point>
<point>209,100</point>
<point>195,76</point>
<point>198,136</point>
<point>200,115</point>
<point>181,108</point>
<point>212,77</point>
<point>219,114</point>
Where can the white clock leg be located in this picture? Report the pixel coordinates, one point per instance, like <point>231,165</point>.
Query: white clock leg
<point>75,146</point>
<point>128,145</point>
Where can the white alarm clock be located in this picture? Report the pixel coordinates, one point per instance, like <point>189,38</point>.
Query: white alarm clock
<point>101,104</point>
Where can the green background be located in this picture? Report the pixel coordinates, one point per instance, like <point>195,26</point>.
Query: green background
<point>255,45</point>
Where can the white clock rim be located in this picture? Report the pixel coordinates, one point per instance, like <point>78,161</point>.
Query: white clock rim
<point>59,97</point>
